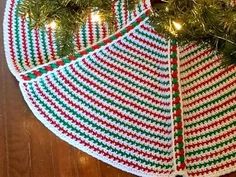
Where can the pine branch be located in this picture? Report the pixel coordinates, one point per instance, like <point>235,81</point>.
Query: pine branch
<point>211,21</point>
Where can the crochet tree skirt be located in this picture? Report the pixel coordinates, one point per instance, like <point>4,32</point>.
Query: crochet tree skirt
<point>131,99</point>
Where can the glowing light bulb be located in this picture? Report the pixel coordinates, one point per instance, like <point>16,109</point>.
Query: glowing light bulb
<point>96,17</point>
<point>52,25</point>
<point>177,25</point>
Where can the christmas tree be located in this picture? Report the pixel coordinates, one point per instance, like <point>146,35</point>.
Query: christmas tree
<point>210,21</point>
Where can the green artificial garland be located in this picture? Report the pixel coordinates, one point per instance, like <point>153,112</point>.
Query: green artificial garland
<point>209,21</point>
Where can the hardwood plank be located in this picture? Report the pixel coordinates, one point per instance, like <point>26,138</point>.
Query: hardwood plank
<point>107,170</point>
<point>64,159</point>
<point>87,165</point>
<point>17,145</point>
<point>40,149</point>
<point>3,140</point>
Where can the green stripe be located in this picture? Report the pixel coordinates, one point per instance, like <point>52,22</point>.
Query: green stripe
<point>91,139</point>
<point>130,81</point>
<point>45,51</point>
<point>225,157</point>
<point>211,102</point>
<point>203,74</point>
<point>198,65</point>
<point>133,69</point>
<point>130,15</point>
<point>211,148</point>
<point>84,36</point>
<point>97,32</point>
<point>203,91</point>
<point>145,118</point>
<point>31,45</point>
<point>210,118</point>
<point>18,40</point>
<point>56,42</point>
<point>153,38</point>
<point>212,133</point>
<point>194,51</point>
<point>139,46</point>
<point>160,81</point>
<point>142,60</point>
<point>140,8</point>
<point>101,113</point>
<point>119,13</point>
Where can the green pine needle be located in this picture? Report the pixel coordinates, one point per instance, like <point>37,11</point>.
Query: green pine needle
<point>208,21</point>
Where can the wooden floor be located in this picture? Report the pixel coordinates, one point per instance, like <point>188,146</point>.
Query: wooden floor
<point>28,149</point>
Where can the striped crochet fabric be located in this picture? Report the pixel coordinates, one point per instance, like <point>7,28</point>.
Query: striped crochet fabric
<point>132,99</point>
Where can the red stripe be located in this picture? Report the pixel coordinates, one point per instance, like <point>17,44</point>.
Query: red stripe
<point>147,43</point>
<point>216,138</point>
<point>136,106</point>
<point>125,12</point>
<point>90,30</point>
<point>204,97</point>
<point>202,69</point>
<point>135,12</point>
<point>39,54</point>
<point>213,79</point>
<point>90,131</point>
<point>87,144</point>
<point>24,43</point>
<point>133,121</point>
<point>210,110</point>
<point>77,40</point>
<point>115,15</point>
<point>10,33</point>
<point>153,31</point>
<point>104,30</point>
<point>215,168</point>
<point>156,129</point>
<point>212,155</point>
<point>217,122</point>
<point>144,54</point>
<point>192,60</point>
<point>51,47</point>
<point>187,49</point>
<point>145,4</point>
<point>126,72</point>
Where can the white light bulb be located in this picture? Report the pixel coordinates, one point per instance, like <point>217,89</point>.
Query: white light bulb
<point>177,25</point>
<point>52,25</point>
<point>96,17</point>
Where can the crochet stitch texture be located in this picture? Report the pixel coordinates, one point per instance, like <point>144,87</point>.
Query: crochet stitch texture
<point>132,99</point>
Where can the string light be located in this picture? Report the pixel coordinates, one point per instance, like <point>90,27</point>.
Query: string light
<point>177,25</point>
<point>96,17</point>
<point>174,27</point>
<point>52,25</point>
